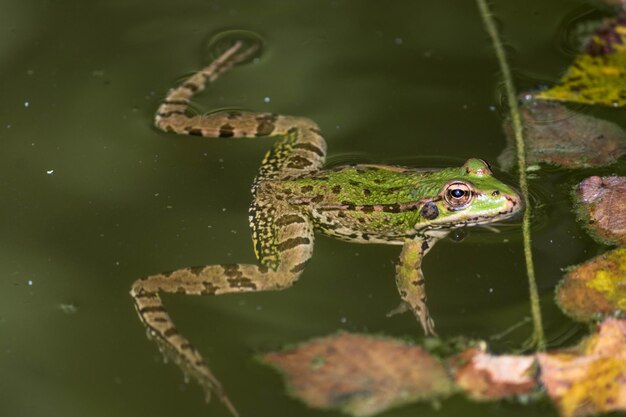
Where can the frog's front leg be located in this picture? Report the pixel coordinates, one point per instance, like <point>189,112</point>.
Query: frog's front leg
<point>410,280</point>
<point>294,246</point>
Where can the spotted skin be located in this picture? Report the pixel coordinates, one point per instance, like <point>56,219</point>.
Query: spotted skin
<point>410,280</point>
<point>293,196</point>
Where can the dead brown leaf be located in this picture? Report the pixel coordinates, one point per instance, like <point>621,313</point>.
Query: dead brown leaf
<point>556,135</point>
<point>601,204</point>
<point>487,377</point>
<point>359,374</point>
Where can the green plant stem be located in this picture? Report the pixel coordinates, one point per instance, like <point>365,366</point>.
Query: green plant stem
<point>538,338</point>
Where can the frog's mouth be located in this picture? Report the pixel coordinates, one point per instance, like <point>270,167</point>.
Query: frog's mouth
<point>510,206</point>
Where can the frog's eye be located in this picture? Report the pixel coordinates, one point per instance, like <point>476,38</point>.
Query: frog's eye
<point>458,195</point>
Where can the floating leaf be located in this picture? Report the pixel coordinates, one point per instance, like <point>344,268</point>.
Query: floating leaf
<point>598,76</point>
<point>595,288</point>
<point>601,204</point>
<point>489,377</point>
<point>361,375</point>
<point>559,136</point>
<point>364,375</point>
<point>591,378</point>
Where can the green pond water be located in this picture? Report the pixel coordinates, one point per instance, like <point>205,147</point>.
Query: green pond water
<point>93,197</point>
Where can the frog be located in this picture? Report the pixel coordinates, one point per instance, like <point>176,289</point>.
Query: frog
<point>294,195</point>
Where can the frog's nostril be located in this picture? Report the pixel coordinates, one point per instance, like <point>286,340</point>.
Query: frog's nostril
<point>495,193</point>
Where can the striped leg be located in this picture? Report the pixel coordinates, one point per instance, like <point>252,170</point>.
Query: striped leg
<point>176,102</point>
<point>296,246</point>
<point>283,238</point>
<point>303,149</point>
<point>410,281</point>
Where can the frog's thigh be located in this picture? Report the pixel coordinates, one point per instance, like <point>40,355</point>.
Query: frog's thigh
<point>302,149</point>
<point>410,281</point>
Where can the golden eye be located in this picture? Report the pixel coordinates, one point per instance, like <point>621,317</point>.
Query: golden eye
<point>458,195</point>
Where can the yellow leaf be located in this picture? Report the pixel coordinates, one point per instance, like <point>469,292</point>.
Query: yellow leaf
<point>590,379</point>
<point>594,288</point>
<point>597,76</point>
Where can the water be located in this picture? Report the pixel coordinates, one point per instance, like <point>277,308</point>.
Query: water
<point>93,197</point>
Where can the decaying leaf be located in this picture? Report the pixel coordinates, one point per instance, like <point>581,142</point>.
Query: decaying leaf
<point>487,377</point>
<point>556,135</point>
<point>595,288</point>
<point>361,375</point>
<point>601,205</point>
<point>598,75</point>
<point>590,379</point>
<point>364,375</point>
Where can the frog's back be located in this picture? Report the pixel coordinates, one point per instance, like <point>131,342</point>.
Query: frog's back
<point>363,203</point>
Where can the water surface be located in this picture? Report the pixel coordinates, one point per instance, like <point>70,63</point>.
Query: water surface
<point>94,197</point>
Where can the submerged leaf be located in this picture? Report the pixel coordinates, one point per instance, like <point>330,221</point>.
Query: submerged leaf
<point>597,287</point>
<point>488,377</point>
<point>591,378</point>
<point>601,204</point>
<point>361,375</point>
<point>597,76</point>
<point>559,136</point>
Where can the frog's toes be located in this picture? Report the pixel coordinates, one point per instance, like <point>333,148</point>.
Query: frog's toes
<point>403,307</point>
<point>251,45</point>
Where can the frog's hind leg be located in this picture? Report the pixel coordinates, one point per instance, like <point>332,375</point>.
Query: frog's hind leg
<point>302,149</point>
<point>174,109</point>
<point>283,237</point>
<point>294,242</point>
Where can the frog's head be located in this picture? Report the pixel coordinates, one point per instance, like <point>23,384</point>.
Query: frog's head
<point>468,196</point>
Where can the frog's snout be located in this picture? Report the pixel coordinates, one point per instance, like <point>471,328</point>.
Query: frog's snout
<point>513,202</point>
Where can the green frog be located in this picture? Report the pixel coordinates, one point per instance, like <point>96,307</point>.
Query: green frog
<point>294,195</point>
